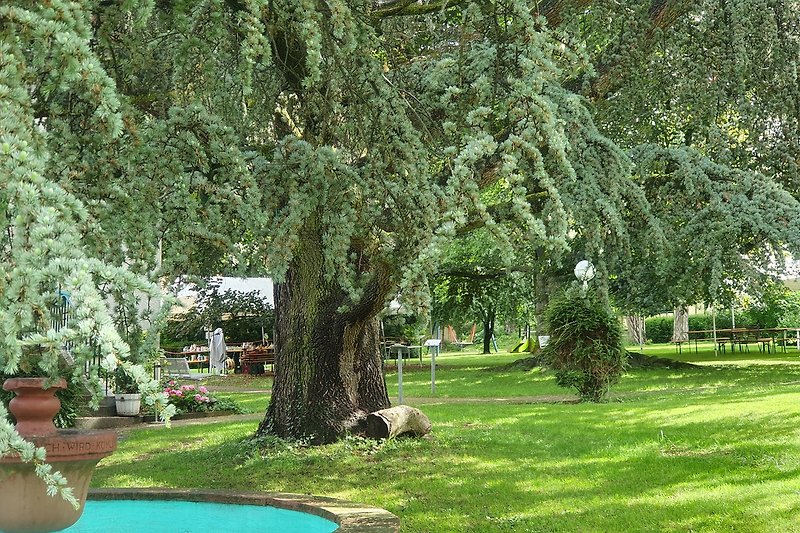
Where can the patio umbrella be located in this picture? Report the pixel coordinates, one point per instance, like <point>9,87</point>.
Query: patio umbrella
<point>218,350</point>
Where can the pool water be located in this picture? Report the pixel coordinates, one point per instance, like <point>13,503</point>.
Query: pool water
<point>156,516</point>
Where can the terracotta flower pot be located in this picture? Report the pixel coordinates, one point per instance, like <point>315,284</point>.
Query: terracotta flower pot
<point>25,506</point>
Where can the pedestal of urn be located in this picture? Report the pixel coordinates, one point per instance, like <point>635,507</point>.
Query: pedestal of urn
<point>25,506</point>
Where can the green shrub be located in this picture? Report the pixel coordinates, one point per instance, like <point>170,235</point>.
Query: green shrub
<point>659,328</point>
<point>775,306</point>
<point>585,347</point>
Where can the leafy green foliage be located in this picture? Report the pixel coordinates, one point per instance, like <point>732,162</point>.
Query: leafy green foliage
<point>411,328</point>
<point>585,347</point>
<point>659,328</point>
<point>124,383</point>
<point>775,306</point>
<point>477,284</point>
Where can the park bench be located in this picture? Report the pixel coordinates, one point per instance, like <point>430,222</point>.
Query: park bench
<point>765,344</point>
<point>790,342</point>
<point>744,342</point>
<point>679,345</point>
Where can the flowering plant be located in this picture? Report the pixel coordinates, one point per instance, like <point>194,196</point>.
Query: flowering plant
<point>189,398</point>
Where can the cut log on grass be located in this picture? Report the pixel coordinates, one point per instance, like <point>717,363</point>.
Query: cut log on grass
<point>398,420</point>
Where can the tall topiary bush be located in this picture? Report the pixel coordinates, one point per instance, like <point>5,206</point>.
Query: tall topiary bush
<point>585,347</point>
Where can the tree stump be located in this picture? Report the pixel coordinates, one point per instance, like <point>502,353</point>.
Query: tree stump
<point>398,420</point>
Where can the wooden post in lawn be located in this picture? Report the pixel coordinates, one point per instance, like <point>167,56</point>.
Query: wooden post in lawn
<point>714,327</point>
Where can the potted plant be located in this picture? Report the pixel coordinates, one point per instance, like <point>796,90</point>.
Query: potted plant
<point>127,397</point>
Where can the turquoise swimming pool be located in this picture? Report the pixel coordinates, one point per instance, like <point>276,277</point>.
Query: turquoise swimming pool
<point>177,516</point>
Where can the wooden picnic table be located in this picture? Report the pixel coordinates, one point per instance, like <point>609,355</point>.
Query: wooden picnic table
<point>744,336</point>
<point>256,355</point>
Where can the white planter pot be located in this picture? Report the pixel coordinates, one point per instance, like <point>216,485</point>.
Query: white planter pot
<point>128,404</point>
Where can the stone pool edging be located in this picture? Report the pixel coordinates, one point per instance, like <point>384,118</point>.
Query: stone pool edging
<point>351,517</point>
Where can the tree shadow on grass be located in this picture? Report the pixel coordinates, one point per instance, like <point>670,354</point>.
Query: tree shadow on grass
<point>718,463</point>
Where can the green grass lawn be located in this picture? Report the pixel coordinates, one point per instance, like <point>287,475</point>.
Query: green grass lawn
<point>716,448</point>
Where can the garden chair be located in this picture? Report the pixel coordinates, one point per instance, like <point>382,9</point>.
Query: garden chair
<point>178,368</point>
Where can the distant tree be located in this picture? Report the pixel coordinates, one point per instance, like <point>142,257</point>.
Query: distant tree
<point>773,305</point>
<point>476,283</point>
<point>242,315</point>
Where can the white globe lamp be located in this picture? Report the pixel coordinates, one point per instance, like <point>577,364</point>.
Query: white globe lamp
<point>585,272</point>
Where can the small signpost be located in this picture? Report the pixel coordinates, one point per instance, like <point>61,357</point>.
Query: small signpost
<point>433,347</point>
<point>400,350</point>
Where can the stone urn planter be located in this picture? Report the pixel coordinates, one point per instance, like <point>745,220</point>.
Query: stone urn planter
<point>128,404</point>
<point>25,506</point>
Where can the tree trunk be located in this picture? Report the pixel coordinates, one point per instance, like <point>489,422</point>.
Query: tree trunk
<point>680,328</point>
<point>545,284</point>
<point>636,329</point>
<point>328,368</point>
<point>488,330</point>
<point>398,420</point>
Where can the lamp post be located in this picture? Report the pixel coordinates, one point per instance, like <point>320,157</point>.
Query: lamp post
<point>585,272</point>
<point>209,336</point>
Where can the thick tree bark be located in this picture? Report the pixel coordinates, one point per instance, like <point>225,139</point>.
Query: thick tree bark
<point>636,329</point>
<point>545,285</point>
<point>680,328</point>
<point>488,330</point>
<point>328,369</point>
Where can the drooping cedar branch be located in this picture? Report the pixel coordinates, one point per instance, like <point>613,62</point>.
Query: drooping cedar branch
<point>410,7</point>
<point>662,13</point>
<point>499,212</point>
<point>552,10</point>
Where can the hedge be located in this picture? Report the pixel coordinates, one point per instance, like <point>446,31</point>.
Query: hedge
<point>659,328</point>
